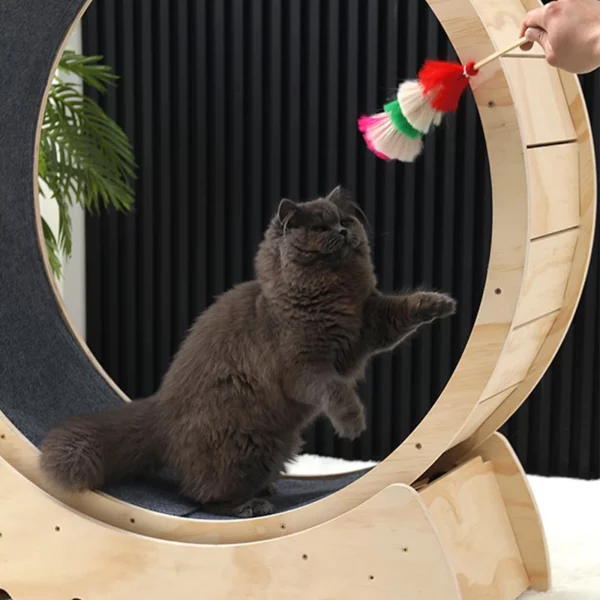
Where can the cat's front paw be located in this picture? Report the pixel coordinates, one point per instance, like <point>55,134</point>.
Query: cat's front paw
<point>434,305</point>
<point>351,424</point>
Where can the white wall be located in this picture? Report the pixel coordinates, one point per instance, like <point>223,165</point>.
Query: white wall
<point>74,269</point>
<point>49,210</point>
<point>72,283</point>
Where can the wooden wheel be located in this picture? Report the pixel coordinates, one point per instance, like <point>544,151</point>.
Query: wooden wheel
<point>544,190</point>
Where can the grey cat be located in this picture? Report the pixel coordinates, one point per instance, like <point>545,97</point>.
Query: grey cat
<point>256,368</point>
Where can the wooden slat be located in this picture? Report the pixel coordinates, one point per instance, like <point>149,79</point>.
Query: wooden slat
<point>520,350</point>
<point>481,412</point>
<point>548,267</point>
<point>553,173</point>
<point>543,111</point>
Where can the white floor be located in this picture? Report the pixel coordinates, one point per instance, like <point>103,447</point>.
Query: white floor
<point>570,511</point>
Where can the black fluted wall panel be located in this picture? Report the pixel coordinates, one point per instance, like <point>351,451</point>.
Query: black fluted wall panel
<point>234,104</point>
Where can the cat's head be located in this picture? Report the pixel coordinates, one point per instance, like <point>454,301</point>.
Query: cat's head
<point>326,234</point>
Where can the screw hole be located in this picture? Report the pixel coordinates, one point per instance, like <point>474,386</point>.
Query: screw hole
<point>418,445</point>
<point>132,520</point>
<point>305,557</point>
<point>2,437</point>
<point>405,549</point>
<point>282,526</point>
<point>371,577</point>
<point>498,291</point>
<point>57,528</point>
<point>491,104</point>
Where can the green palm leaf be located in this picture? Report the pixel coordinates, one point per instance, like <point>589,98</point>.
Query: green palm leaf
<point>85,158</point>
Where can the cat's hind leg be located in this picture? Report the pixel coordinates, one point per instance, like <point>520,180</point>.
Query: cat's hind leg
<point>269,490</point>
<point>243,505</point>
<point>236,479</point>
<point>255,507</point>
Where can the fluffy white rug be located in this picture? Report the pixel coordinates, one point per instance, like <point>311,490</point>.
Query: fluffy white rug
<point>570,512</point>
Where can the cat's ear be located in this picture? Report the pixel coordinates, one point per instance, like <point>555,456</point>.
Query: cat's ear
<point>341,198</point>
<point>286,211</point>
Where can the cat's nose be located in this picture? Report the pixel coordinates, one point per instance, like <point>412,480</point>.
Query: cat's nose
<point>343,231</point>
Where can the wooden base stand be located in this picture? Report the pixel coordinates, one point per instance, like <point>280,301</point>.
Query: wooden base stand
<point>488,522</point>
<point>472,534</point>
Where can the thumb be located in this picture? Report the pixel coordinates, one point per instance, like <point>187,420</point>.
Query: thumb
<point>539,35</point>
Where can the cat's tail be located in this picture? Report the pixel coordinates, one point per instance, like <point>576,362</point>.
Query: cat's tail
<point>92,450</point>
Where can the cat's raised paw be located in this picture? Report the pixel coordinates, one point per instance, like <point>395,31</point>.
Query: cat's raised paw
<point>351,425</point>
<point>434,305</point>
<point>257,507</point>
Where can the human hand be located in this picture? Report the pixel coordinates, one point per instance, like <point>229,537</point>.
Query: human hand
<point>569,33</point>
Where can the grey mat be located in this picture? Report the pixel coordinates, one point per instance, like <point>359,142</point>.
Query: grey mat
<point>159,493</point>
<point>45,376</point>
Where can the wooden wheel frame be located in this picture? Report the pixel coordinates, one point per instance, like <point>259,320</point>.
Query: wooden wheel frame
<point>544,201</point>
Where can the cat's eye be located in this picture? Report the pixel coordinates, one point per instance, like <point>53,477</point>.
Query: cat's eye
<point>345,223</point>
<point>320,228</point>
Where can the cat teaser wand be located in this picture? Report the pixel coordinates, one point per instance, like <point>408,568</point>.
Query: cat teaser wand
<point>397,132</point>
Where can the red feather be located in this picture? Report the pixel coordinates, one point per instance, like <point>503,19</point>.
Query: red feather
<point>445,82</point>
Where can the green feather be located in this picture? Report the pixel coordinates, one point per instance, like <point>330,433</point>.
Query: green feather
<point>399,120</point>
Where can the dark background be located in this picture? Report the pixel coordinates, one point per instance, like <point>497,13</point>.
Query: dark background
<point>234,104</point>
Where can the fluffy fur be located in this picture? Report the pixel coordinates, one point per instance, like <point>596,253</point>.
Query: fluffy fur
<point>256,368</point>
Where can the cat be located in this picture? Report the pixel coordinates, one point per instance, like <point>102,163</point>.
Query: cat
<point>256,368</point>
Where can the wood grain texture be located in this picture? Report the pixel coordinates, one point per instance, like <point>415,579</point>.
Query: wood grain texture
<point>481,412</point>
<point>518,500</point>
<point>521,508</point>
<point>48,551</point>
<point>467,507</point>
<point>535,84</point>
<point>548,267</point>
<point>521,348</point>
<point>553,173</point>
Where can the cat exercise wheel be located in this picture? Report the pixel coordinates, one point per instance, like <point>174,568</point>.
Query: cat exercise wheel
<point>447,515</point>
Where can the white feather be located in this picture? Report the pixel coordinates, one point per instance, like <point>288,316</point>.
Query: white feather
<point>416,107</point>
<point>386,139</point>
